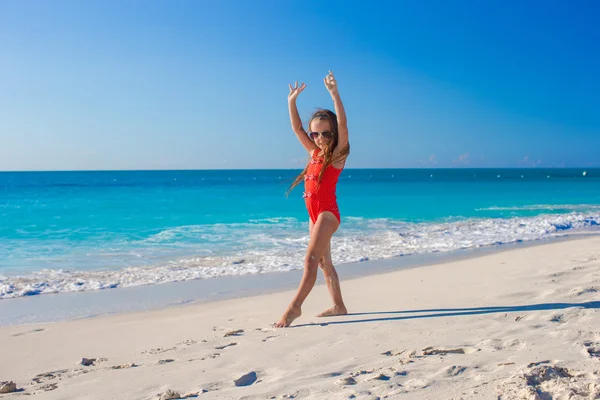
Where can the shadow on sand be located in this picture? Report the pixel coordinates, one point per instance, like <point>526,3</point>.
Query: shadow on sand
<point>450,312</point>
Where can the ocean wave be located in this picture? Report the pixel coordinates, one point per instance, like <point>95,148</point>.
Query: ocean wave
<point>264,251</point>
<point>545,207</point>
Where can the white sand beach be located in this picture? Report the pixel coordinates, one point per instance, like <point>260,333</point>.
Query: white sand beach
<point>517,324</point>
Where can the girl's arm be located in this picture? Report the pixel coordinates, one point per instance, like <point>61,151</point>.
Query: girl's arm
<point>331,85</point>
<point>295,120</point>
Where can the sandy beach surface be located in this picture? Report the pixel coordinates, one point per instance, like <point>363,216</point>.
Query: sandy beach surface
<point>517,324</point>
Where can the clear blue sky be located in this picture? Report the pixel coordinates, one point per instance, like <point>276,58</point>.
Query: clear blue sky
<point>203,84</point>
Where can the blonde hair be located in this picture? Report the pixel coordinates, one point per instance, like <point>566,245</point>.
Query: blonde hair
<point>328,158</point>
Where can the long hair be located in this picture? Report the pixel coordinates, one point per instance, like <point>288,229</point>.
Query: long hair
<point>328,158</point>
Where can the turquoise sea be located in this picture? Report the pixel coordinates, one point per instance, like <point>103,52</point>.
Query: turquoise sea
<point>80,231</point>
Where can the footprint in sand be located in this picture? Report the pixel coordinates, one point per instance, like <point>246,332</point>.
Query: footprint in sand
<point>570,314</point>
<point>552,381</point>
<point>47,376</point>
<point>46,388</point>
<point>45,379</point>
<point>580,291</point>
<point>61,374</point>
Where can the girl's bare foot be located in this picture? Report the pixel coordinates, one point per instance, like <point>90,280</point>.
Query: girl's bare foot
<point>289,316</point>
<point>333,311</point>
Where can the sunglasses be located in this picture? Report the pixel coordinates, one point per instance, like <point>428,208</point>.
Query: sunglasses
<point>325,135</point>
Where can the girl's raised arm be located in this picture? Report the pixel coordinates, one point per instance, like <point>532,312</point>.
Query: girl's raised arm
<point>331,85</point>
<point>295,120</point>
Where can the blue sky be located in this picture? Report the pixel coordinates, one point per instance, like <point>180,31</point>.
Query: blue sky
<point>203,84</point>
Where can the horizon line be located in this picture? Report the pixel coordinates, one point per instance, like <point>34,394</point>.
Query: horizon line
<point>285,169</point>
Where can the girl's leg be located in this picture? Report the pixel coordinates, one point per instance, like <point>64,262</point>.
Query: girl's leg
<point>333,285</point>
<point>324,228</point>
<point>333,281</point>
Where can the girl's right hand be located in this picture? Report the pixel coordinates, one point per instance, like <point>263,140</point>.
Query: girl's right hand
<point>295,91</point>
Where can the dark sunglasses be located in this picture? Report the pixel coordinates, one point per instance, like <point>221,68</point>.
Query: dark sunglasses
<point>325,135</point>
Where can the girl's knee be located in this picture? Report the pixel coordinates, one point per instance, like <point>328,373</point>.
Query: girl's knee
<point>311,262</point>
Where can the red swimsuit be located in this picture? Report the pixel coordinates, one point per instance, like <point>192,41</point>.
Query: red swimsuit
<point>320,196</point>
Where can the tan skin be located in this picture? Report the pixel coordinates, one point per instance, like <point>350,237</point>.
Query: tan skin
<point>318,253</point>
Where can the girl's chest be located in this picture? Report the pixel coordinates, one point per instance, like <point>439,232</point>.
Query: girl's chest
<point>315,165</point>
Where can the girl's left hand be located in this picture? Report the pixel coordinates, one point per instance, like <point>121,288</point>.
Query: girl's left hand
<point>330,83</point>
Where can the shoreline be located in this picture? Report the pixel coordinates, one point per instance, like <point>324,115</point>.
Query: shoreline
<point>47,308</point>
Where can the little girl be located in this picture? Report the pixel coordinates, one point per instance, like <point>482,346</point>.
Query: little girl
<point>328,148</point>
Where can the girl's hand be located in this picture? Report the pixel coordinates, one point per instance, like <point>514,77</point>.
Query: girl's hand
<point>331,83</point>
<point>295,91</point>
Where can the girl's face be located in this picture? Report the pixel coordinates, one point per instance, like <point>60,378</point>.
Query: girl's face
<point>321,125</point>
